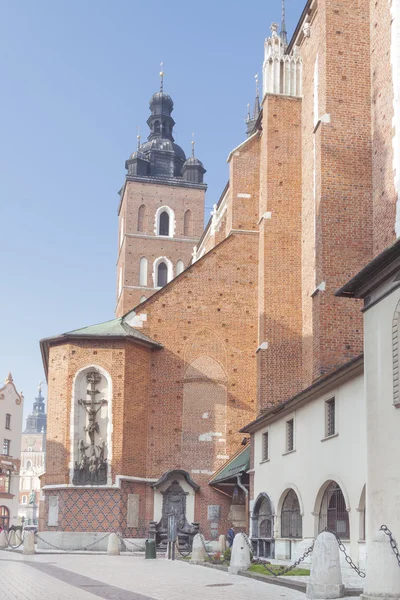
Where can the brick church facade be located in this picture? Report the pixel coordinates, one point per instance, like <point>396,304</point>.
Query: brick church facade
<point>215,326</point>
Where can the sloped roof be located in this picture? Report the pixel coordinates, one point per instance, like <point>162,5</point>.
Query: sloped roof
<point>114,329</point>
<point>239,463</point>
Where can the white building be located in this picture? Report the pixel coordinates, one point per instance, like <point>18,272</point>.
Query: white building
<point>309,467</point>
<point>11,409</point>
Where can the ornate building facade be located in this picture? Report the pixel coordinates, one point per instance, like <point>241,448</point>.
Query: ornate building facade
<point>33,460</point>
<point>145,409</point>
<point>11,409</point>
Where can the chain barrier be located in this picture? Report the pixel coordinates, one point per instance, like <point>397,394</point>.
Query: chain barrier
<point>183,553</point>
<point>8,535</point>
<point>128,542</point>
<point>203,541</point>
<point>393,543</point>
<point>283,570</point>
<point>347,557</point>
<point>75,549</point>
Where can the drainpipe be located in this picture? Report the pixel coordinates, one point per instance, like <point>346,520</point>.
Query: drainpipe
<point>246,491</point>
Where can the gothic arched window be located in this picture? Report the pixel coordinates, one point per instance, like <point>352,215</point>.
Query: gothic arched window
<point>143,271</point>
<point>163,227</point>
<point>187,224</point>
<point>333,513</point>
<point>291,522</point>
<point>162,274</point>
<point>141,217</point>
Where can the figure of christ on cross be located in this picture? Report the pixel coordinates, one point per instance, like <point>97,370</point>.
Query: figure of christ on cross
<point>93,378</point>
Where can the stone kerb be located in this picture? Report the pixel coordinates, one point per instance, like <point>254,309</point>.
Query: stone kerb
<point>240,557</point>
<point>198,550</point>
<point>326,574</point>
<point>383,572</point>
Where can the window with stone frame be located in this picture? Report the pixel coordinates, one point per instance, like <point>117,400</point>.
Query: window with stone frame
<point>289,435</point>
<point>8,421</point>
<point>330,428</point>
<point>265,446</point>
<point>163,225</point>
<point>6,447</point>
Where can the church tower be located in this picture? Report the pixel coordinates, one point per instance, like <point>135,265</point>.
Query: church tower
<point>161,213</point>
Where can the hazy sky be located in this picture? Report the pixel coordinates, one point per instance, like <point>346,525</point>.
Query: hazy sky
<point>76,78</point>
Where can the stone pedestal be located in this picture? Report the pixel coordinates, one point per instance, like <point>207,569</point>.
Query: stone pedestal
<point>326,574</point>
<point>240,557</point>
<point>383,572</point>
<point>222,543</point>
<point>113,545</point>
<point>3,539</point>
<point>198,551</point>
<point>29,543</point>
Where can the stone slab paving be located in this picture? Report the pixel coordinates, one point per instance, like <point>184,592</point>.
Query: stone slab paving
<point>124,578</point>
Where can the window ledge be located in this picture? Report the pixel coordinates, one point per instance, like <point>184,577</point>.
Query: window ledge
<point>264,461</point>
<point>361,541</point>
<point>289,452</point>
<point>329,437</point>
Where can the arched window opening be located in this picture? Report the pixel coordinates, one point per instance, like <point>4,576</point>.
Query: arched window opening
<point>29,464</point>
<point>163,227</point>
<point>24,499</point>
<point>179,267</point>
<point>263,527</point>
<point>187,224</point>
<point>162,274</point>
<point>333,513</point>
<point>4,517</point>
<point>157,127</point>
<point>141,216</point>
<point>142,299</point>
<point>291,521</point>
<point>143,271</point>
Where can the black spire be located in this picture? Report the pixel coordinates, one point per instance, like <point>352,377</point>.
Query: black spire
<point>252,119</point>
<point>36,422</point>
<point>283,26</point>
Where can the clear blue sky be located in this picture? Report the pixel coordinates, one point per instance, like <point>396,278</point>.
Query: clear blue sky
<point>76,78</point>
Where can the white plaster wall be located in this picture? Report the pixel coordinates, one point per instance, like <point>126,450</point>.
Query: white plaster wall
<point>315,462</point>
<point>11,403</point>
<point>383,419</point>
<point>158,498</point>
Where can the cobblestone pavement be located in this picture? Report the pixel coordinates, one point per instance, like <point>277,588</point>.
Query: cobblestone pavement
<point>77,577</point>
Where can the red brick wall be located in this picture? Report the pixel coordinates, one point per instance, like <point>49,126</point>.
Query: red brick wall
<point>280,316</point>
<point>384,196</point>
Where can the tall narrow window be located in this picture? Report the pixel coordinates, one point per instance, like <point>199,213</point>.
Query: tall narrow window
<point>120,282</point>
<point>8,482</point>
<point>265,446</point>
<point>162,274</point>
<point>121,232</point>
<point>187,224</point>
<point>8,421</point>
<point>179,267</point>
<point>330,417</point>
<point>143,271</point>
<point>141,216</point>
<point>163,228</point>
<point>289,435</point>
<point>6,447</point>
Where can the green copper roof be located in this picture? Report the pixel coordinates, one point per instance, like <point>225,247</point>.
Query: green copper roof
<point>114,328</point>
<point>238,464</point>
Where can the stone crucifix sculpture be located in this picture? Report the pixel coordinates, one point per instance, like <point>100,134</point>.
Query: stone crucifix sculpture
<point>93,379</point>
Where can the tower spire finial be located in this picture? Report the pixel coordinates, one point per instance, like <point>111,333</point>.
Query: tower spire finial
<point>283,26</point>
<point>161,77</point>
<point>257,86</point>
<point>138,136</point>
<point>193,144</point>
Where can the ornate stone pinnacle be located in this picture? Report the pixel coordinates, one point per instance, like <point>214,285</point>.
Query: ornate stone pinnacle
<point>9,378</point>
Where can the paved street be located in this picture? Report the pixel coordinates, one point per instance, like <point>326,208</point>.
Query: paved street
<point>64,577</point>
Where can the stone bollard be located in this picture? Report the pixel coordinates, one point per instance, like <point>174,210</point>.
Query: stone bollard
<point>383,573</point>
<point>240,557</point>
<point>12,538</point>
<point>29,543</point>
<point>326,574</point>
<point>113,545</point>
<point>3,539</point>
<point>222,543</point>
<point>198,550</point>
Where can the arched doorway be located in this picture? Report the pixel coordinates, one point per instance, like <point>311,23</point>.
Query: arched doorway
<point>4,518</point>
<point>291,520</point>
<point>333,513</point>
<point>263,527</point>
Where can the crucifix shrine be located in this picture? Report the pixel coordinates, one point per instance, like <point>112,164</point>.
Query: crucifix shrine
<point>92,469</point>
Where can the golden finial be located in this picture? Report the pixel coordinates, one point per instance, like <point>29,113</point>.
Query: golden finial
<point>161,77</point>
<point>9,378</point>
<point>192,144</point>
